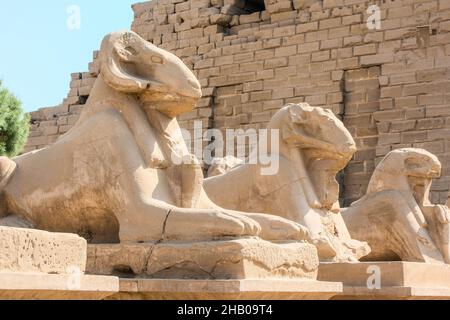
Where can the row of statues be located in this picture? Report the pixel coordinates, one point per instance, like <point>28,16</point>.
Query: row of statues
<point>112,178</point>
<point>395,218</point>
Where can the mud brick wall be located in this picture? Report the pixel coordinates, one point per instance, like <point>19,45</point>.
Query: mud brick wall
<point>391,87</point>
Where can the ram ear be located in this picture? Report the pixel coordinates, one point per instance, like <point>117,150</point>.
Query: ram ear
<point>114,64</point>
<point>288,130</point>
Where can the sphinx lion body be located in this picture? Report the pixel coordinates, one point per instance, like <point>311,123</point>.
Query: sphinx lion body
<point>79,184</point>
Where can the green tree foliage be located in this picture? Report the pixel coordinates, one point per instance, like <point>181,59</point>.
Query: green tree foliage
<point>14,124</point>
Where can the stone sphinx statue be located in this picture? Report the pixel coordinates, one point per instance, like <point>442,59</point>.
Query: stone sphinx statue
<point>396,217</point>
<point>223,165</point>
<point>314,146</point>
<point>123,173</point>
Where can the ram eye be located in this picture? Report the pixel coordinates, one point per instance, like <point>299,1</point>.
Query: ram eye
<point>157,59</point>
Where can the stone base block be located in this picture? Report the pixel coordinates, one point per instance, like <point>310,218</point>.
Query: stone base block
<point>20,286</point>
<point>24,250</point>
<point>233,259</point>
<point>398,280</point>
<point>261,289</point>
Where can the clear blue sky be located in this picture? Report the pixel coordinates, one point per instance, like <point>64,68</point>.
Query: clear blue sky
<point>38,51</point>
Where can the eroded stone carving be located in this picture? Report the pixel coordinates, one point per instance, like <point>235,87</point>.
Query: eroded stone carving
<point>396,216</point>
<point>116,175</point>
<point>223,165</point>
<point>314,146</point>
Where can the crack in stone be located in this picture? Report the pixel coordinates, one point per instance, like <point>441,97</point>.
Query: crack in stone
<point>175,265</point>
<point>165,226</point>
<point>148,258</point>
<point>218,263</point>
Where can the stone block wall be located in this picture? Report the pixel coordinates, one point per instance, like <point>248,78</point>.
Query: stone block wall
<point>361,101</point>
<point>390,86</point>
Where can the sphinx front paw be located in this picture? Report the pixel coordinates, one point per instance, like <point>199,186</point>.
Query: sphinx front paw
<point>324,246</point>
<point>208,224</point>
<point>442,213</point>
<point>240,224</point>
<point>274,228</point>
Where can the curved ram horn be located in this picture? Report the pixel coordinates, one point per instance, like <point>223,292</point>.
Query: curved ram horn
<point>113,56</point>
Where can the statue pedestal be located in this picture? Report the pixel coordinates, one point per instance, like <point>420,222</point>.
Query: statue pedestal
<point>34,251</point>
<point>233,259</point>
<point>46,266</point>
<point>398,280</point>
<point>253,289</point>
<point>234,269</point>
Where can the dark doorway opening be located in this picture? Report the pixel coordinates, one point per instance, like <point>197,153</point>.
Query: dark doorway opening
<point>254,6</point>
